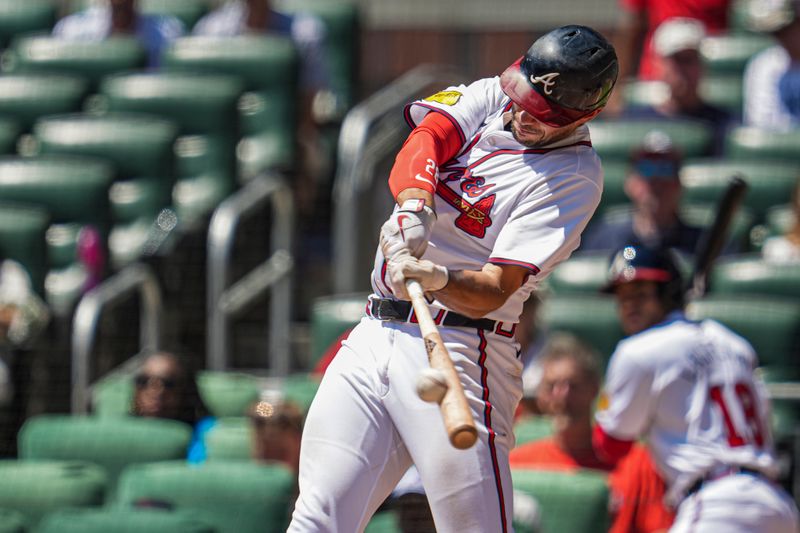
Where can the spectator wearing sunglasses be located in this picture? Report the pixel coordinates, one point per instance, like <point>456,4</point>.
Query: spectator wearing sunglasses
<point>165,387</point>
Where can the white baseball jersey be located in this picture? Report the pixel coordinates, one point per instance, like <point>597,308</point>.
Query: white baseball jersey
<point>689,388</point>
<point>500,202</point>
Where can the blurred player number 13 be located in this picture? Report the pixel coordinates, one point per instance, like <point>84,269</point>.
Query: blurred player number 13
<point>743,399</point>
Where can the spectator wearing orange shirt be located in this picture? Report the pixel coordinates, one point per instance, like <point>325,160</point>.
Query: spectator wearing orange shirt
<point>569,386</point>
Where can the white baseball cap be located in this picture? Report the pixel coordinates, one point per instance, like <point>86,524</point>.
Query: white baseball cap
<point>770,15</point>
<point>677,34</point>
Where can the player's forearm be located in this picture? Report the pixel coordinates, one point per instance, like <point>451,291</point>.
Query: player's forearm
<point>475,293</point>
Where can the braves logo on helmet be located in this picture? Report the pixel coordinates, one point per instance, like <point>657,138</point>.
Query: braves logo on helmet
<point>547,81</point>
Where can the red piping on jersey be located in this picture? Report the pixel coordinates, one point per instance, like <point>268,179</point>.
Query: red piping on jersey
<point>507,151</point>
<point>500,261</point>
<point>410,121</point>
<point>487,420</point>
<point>609,449</point>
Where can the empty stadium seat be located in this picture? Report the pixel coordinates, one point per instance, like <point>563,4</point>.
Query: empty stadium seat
<point>268,65</point>
<point>300,389</point>
<point>583,272</point>
<point>566,501</point>
<point>231,496</point>
<point>36,488</point>
<point>614,174</point>
<point>750,274</point>
<point>723,90</point>
<point>18,17</point>
<point>187,11</point>
<point>770,183</point>
<point>27,97</point>
<point>140,147</point>
<point>9,133</point>
<point>532,429</point>
<point>91,60</point>
<point>12,521</point>
<point>331,316</point>
<point>229,439</point>
<point>750,143</point>
<point>779,219</point>
<point>729,53</point>
<point>121,521</point>
<point>228,393</point>
<point>22,238</point>
<point>204,107</point>
<point>772,325</point>
<point>592,318</point>
<point>384,522</point>
<point>614,139</point>
<point>113,443</point>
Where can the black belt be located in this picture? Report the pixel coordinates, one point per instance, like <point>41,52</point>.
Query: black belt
<point>400,311</point>
<point>697,485</point>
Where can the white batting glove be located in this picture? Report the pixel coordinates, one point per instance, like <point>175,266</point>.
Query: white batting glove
<point>409,228</point>
<point>403,266</point>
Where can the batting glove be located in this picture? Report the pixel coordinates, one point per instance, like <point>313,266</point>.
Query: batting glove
<point>409,228</point>
<point>403,266</point>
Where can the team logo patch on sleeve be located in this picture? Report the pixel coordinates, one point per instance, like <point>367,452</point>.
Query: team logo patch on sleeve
<point>445,97</point>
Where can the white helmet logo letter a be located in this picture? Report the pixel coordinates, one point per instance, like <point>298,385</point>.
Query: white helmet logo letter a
<point>547,81</point>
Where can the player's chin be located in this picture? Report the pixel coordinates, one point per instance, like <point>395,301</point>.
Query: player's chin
<point>527,138</point>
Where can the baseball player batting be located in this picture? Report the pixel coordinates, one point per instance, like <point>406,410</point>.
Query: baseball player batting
<point>689,389</point>
<point>494,186</point>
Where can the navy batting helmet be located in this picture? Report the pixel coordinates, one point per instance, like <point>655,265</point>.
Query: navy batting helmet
<point>566,74</point>
<point>641,263</point>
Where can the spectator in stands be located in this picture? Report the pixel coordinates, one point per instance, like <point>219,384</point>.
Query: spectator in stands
<point>570,384</point>
<point>772,77</point>
<point>120,17</point>
<point>277,428</point>
<point>786,248</point>
<point>676,44</point>
<point>654,188</point>
<point>637,23</point>
<point>531,337</point>
<point>165,387</point>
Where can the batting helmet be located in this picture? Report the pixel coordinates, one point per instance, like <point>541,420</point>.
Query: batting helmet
<point>565,75</point>
<point>641,263</point>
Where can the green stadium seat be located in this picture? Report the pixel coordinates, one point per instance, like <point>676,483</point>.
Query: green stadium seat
<point>641,93</point>
<point>770,183</point>
<point>113,443</point>
<point>75,191</point>
<point>581,273</point>
<point>36,488</point>
<point>18,17</point>
<point>785,412</point>
<point>140,146</point>
<point>753,144</point>
<point>12,521</point>
<point>300,389</point>
<point>187,11</point>
<point>750,274</point>
<point>228,393</point>
<point>567,501</point>
<point>384,522</point>
<point>22,238</point>
<point>91,60</point>
<point>10,131</point>
<point>772,325</point>
<point>204,107</point>
<point>725,91</point>
<point>232,496</point>
<point>729,53</point>
<point>121,521</point>
<point>268,65</point>
<point>331,316</point>
<point>532,429</point>
<point>229,440</point>
<point>590,317</point>
<point>615,139</point>
<point>780,219</point>
<point>27,97</point>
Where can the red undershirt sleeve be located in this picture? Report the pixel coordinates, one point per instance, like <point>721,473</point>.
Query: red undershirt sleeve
<point>436,140</point>
<point>607,448</point>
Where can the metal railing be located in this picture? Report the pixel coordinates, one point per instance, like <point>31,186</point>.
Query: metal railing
<point>225,297</point>
<point>371,134</point>
<point>137,277</point>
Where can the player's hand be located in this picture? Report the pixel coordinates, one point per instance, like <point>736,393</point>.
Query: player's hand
<point>403,266</point>
<point>409,228</point>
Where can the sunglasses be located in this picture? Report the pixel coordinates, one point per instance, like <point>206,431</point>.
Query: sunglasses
<point>142,381</point>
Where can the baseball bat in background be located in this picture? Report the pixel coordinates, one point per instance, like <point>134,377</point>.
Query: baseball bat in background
<point>714,237</point>
<point>457,417</point>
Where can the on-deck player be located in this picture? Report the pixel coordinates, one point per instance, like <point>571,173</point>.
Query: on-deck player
<point>690,390</point>
<point>511,162</point>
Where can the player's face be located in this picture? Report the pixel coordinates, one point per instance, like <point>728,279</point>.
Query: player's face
<point>566,390</point>
<point>639,306</point>
<point>528,131</point>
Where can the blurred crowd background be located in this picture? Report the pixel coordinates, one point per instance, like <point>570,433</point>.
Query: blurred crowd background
<point>190,197</point>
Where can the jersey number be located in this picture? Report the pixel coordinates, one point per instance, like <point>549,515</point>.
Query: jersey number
<point>746,402</point>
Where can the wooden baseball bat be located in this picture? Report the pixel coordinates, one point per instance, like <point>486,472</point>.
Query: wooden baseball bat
<point>455,411</point>
<point>713,239</point>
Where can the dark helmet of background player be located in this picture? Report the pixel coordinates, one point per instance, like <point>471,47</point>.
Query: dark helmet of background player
<point>642,263</point>
<point>566,74</point>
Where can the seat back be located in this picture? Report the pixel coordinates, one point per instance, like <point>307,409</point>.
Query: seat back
<point>331,316</point>
<point>729,53</point>
<point>750,274</point>
<point>228,393</point>
<point>122,521</point>
<point>749,143</point>
<point>113,443</point>
<point>567,501</point>
<point>533,429</point>
<point>229,440</point>
<point>231,496</point>
<point>9,134</point>
<point>12,521</point>
<point>187,11</point>
<point>581,273</point>
<point>615,139</point>
<point>22,238</point>
<point>18,17</point>
<point>27,97</point>
<point>36,488</point>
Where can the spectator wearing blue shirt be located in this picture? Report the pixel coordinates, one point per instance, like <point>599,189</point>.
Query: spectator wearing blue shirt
<point>120,17</point>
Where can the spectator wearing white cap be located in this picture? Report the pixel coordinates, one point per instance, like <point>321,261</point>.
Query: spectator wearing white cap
<point>676,43</point>
<point>772,77</point>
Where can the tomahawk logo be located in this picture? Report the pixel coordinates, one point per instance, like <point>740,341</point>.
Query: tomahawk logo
<point>547,81</point>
